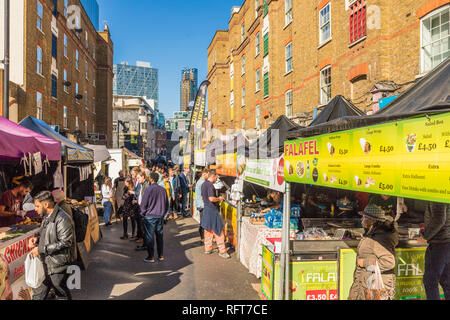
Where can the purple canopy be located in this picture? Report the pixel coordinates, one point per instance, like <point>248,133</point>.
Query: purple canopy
<point>15,141</point>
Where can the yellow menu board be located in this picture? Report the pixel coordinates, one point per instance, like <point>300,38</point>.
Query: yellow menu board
<point>227,164</point>
<point>409,158</point>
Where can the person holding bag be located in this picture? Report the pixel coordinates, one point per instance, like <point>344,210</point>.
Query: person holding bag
<point>128,209</point>
<point>375,250</point>
<point>55,246</point>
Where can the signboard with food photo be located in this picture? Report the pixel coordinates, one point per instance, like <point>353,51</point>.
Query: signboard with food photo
<point>409,158</point>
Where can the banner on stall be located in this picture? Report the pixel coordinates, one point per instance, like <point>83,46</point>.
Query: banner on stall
<point>227,164</point>
<point>409,158</point>
<point>315,280</point>
<point>200,158</point>
<point>266,172</point>
<point>267,274</point>
<point>409,270</point>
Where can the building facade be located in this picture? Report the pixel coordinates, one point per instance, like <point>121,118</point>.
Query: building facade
<point>139,81</point>
<point>188,87</point>
<point>57,79</point>
<point>289,57</point>
<point>179,122</point>
<point>133,125</point>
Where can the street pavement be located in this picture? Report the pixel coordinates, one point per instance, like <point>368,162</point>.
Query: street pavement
<point>117,271</point>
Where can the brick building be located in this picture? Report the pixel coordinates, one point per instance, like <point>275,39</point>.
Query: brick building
<point>286,57</point>
<point>66,72</point>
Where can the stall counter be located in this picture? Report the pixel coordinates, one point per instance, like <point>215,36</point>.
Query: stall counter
<point>323,270</point>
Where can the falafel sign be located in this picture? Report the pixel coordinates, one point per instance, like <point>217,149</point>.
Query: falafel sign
<point>409,158</point>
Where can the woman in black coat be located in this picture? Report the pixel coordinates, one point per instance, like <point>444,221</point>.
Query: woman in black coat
<point>128,209</point>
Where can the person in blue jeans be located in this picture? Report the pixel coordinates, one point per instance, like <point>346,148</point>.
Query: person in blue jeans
<point>154,206</point>
<point>107,193</point>
<point>437,256</point>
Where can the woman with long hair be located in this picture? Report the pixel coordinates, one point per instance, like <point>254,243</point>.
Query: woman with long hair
<point>107,193</point>
<point>128,210</point>
<point>376,249</point>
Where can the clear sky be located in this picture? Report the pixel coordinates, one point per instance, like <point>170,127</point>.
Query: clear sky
<point>170,35</point>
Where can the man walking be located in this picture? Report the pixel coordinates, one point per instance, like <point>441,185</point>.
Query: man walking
<point>437,256</point>
<point>199,204</point>
<point>55,246</point>
<point>153,208</point>
<point>184,188</point>
<point>143,184</point>
<point>212,221</point>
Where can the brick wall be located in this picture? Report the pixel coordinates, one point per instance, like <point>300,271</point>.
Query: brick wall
<point>390,51</point>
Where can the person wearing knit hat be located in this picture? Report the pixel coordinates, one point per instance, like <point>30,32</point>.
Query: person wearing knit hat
<point>376,247</point>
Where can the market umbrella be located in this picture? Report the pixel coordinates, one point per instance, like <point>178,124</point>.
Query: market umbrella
<point>337,108</point>
<point>16,141</point>
<point>261,148</point>
<point>72,151</point>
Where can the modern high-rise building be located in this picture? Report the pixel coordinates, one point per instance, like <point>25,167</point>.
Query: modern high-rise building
<point>188,87</point>
<point>92,10</point>
<point>139,81</point>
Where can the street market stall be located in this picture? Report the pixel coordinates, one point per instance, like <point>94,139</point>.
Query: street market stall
<point>23,153</point>
<point>263,174</point>
<point>401,152</point>
<point>77,161</point>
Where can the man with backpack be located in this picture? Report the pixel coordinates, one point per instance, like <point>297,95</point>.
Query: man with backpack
<point>55,246</point>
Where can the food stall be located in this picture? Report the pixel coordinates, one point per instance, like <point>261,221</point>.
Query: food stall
<point>396,153</point>
<point>22,153</point>
<point>264,172</point>
<point>77,161</point>
<point>230,165</point>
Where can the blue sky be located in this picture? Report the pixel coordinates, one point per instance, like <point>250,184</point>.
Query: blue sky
<point>170,35</point>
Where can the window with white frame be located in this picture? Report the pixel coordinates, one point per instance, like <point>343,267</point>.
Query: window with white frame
<point>77,60</point>
<point>325,23</point>
<point>39,105</point>
<point>258,117</point>
<point>87,40</point>
<point>66,88</point>
<point>85,127</point>
<point>76,123</point>
<point>258,80</point>
<point>243,96</point>
<point>243,65</point>
<point>243,123</point>
<point>65,45</point>
<point>288,103</point>
<point>232,70</point>
<point>40,14</point>
<point>242,32</point>
<point>435,38</point>
<point>65,117</point>
<point>87,70</point>
<point>288,51</point>
<point>93,79</point>
<point>325,85</point>
<point>256,8</point>
<point>39,60</point>
<point>86,98</point>
<point>287,12</point>
<point>257,43</point>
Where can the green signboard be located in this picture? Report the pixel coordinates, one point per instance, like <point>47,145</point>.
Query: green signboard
<point>409,158</point>
<point>409,268</point>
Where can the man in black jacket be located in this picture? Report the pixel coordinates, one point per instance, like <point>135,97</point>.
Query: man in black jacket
<point>55,246</point>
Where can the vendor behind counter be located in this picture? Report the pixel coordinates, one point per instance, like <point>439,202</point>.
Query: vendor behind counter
<point>11,202</point>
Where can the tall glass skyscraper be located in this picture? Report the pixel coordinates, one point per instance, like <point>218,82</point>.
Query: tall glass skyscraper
<point>188,87</point>
<point>140,80</point>
<point>92,10</point>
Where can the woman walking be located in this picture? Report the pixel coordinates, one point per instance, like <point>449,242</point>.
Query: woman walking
<point>377,247</point>
<point>129,209</point>
<point>107,193</point>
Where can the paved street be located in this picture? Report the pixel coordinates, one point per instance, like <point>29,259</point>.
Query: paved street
<point>117,271</point>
